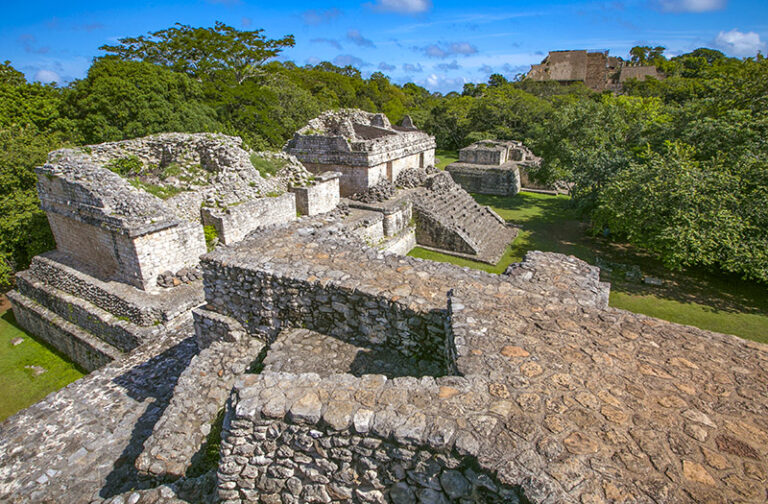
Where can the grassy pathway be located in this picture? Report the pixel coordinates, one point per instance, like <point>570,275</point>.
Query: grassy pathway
<point>20,385</point>
<point>709,301</point>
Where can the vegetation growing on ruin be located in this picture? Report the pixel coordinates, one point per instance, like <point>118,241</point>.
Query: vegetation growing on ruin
<point>161,191</point>
<point>267,167</point>
<point>125,166</point>
<point>211,237</point>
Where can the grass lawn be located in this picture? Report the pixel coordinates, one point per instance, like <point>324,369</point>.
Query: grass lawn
<point>699,298</point>
<point>19,386</point>
<point>445,157</point>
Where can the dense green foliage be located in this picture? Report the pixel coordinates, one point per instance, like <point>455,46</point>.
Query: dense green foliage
<point>677,166</point>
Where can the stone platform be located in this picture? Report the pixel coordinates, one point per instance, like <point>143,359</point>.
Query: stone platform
<point>305,351</point>
<point>558,395</point>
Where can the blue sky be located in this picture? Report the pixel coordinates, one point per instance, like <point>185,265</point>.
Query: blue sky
<point>439,44</point>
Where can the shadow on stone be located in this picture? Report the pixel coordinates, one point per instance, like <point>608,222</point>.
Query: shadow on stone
<point>153,382</point>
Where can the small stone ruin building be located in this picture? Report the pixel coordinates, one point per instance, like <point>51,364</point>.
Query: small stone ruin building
<point>492,167</point>
<point>364,147</point>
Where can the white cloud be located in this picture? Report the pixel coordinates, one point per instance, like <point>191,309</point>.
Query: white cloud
<point>737,43</point>
<point>692,5</point>
<point>46,76</point>
<point>401,6</point>
<point>435,82</point>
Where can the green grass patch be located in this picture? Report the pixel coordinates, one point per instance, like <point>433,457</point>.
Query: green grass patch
<point>267,167</point>
<point>753,326</point>
<point>445,157</point>
<point>161,191</point>
<point>211,237</point>
<point>20,386</point>
<point>694,297</point>
<point>125,166</point>
<point>172,170</point>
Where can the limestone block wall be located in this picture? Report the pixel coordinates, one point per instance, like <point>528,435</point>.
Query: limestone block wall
<point>234,223</point>
<point>138,261</point>
<point>320,197</point>
<point>268,298</point>
<point>354,179</point>
<point>486,180</point>
<point>107,253</point>
<point>398,218</point>
<point>483,156</point>
<point>171,249</point>
<point>295,438</point>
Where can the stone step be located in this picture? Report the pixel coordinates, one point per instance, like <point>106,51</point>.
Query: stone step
<point>482,230</point>
<point>116,331</point>
<point>199,395</point>
<point>124,301</point>
<point>82,347</point>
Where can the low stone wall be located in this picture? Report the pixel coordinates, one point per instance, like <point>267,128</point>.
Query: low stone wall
<point>267,298</point>
<point>320,197</point>
<point>123,301</point>
<point>121,334</point>
<point>83,349</point>
<point>296,438</point>
<point>170,249</point>
<point>234,223</point>
<point>557,276</point>
<point>500,181</point>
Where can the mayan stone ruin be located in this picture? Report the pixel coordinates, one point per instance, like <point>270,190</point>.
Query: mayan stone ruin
<point>256,333</point>
<point>596,69</point>
<point>492,167</point>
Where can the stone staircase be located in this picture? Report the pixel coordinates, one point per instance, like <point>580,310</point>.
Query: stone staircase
<point>450,220</point>
<point>92,321</point>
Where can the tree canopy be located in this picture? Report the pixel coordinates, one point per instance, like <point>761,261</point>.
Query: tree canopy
<point>203,52</point>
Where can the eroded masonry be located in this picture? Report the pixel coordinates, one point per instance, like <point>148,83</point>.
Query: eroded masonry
<point>306,359</point>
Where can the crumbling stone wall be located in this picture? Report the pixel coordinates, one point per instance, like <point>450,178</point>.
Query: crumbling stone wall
<point>235,222</point>
<point>321,196</point>
<point>502,181</point>
<point>346,440</point>
<point>265,298</point>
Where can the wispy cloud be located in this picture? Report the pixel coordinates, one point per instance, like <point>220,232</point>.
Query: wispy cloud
<point>315,17</point>
<point>330,42</point>
<point>343,60</point>
<point>737,43</point>
<point>47,76</point>
<point>445,50</point>
<point>453,65</point>
<point>401,6</point>
<point>356,38</point>
<point>29,44</point>
<point>386,67</point>
<point>409,68</point>
<point>691,5</point>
